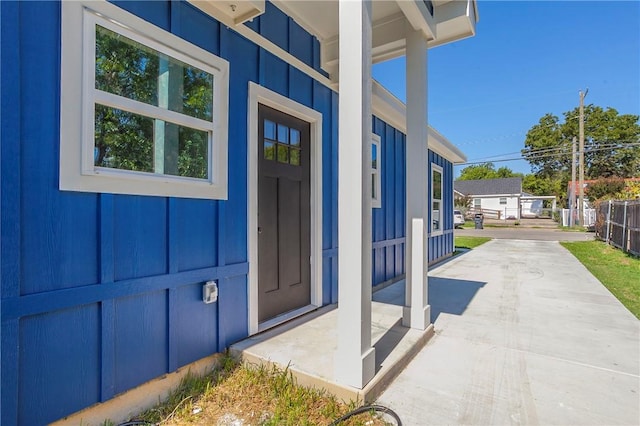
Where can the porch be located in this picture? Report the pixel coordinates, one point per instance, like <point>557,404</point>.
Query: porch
<point>306,346</point>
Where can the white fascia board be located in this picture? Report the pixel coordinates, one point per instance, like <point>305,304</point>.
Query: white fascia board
<point>393,111</point>
<point>454,21</point>
<point>419,17</point>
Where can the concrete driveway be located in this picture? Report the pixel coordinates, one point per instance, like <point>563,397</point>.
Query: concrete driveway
<point>515,233</point>
<point>524,335</point>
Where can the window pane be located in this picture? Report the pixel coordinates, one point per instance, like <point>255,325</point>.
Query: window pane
<point>373,186</point>
<point>295,157</point>
<point>269,130</point>
<point>437,185</point>
<point>283,133</point>
<point>295,137</point>
<point>374,156</point>
<point>123,140</point>
<point>193,153</point>
<point>128,141</point>
<point>435,216</point>
<point>283,154</point>
<point>127,68</point>
<point>269,151</point>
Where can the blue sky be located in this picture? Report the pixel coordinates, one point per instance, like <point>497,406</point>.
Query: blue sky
<point>527,59</point>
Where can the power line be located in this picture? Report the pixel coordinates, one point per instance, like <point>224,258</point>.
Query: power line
<point>535,153</point>
<point>542,155</point>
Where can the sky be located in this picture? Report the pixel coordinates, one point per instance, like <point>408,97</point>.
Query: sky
<point>527,59</point>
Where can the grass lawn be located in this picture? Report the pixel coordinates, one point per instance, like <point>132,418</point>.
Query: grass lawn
<point>469,242</point>
<point>617,271</point>
<point>235,394</point>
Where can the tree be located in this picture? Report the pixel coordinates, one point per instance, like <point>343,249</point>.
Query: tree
<point>486,171</point>
<point>611,144</point>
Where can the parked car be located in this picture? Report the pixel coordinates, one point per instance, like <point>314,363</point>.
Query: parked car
<point>458,218</point>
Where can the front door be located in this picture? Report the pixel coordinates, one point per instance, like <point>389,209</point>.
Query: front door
<point>283,213</point>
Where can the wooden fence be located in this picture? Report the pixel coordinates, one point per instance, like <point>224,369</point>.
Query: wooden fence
<point>618,223</point>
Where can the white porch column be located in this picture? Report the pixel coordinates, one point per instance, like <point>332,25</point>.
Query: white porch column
<point>416,312</point>
<point>355,358</point>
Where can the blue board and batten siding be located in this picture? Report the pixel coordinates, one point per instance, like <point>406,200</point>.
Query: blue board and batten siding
<point>389,221</point>
<point>102,292</point>
<point>442,245</point>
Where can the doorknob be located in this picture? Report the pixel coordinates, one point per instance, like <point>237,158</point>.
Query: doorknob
<point>259,230</point>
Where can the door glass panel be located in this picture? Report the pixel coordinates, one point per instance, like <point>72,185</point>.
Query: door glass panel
<point>283,154</point>
<point>295,137</point>
<point>282,143</point>
<point>295,157</point>
<point>269,151</point>
<point>269,130</point>
<point>283,134</point>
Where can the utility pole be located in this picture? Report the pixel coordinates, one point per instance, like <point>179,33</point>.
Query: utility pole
<point>572,189</point>
<point>581,152</point>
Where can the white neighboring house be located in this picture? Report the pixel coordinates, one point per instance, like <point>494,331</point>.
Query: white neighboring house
<point>496,198</point>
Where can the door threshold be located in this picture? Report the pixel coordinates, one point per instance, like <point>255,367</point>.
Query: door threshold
<point>288,316</point>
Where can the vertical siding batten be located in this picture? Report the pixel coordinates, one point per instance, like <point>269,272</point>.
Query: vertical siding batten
<point>107,307</point>
<point>389,198</point>
<point>10,83</point>
<point>172,262</point>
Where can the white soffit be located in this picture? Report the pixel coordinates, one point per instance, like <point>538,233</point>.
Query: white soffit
<point>393,111</point>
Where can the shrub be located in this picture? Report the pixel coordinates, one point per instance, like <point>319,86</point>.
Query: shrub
<point>605,188</point>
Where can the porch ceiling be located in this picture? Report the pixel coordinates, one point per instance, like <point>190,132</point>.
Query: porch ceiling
<point>451,20</point>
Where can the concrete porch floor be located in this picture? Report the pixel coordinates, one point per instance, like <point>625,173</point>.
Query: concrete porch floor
<point>307,346</point>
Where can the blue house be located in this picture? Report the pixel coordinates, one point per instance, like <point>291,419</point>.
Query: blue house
<point>178,175</point>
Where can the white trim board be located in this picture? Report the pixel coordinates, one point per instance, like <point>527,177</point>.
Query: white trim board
<point>261,95</point>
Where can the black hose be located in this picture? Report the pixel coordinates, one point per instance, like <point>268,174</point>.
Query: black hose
<point>137,423</point>
<point>367,408</point>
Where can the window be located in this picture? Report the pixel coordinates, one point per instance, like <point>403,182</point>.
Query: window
<point>281,143</point>
<point>153,118</point>
<point>503,200</point>
<point>376,161</point>
<point>477,204</point>
<point>436,199</point>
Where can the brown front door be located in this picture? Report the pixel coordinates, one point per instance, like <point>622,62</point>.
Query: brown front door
<point>284,271</point>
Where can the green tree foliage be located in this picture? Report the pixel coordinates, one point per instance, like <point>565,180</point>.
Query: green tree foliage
<point>611,149</point>
<point>486,171</point>
<point>611,144</point>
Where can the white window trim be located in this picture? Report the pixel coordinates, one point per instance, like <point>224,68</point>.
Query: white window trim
<point>436,168</point>
<point>78,96</point>
<point>264,96</point>
<point>376,200</point>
